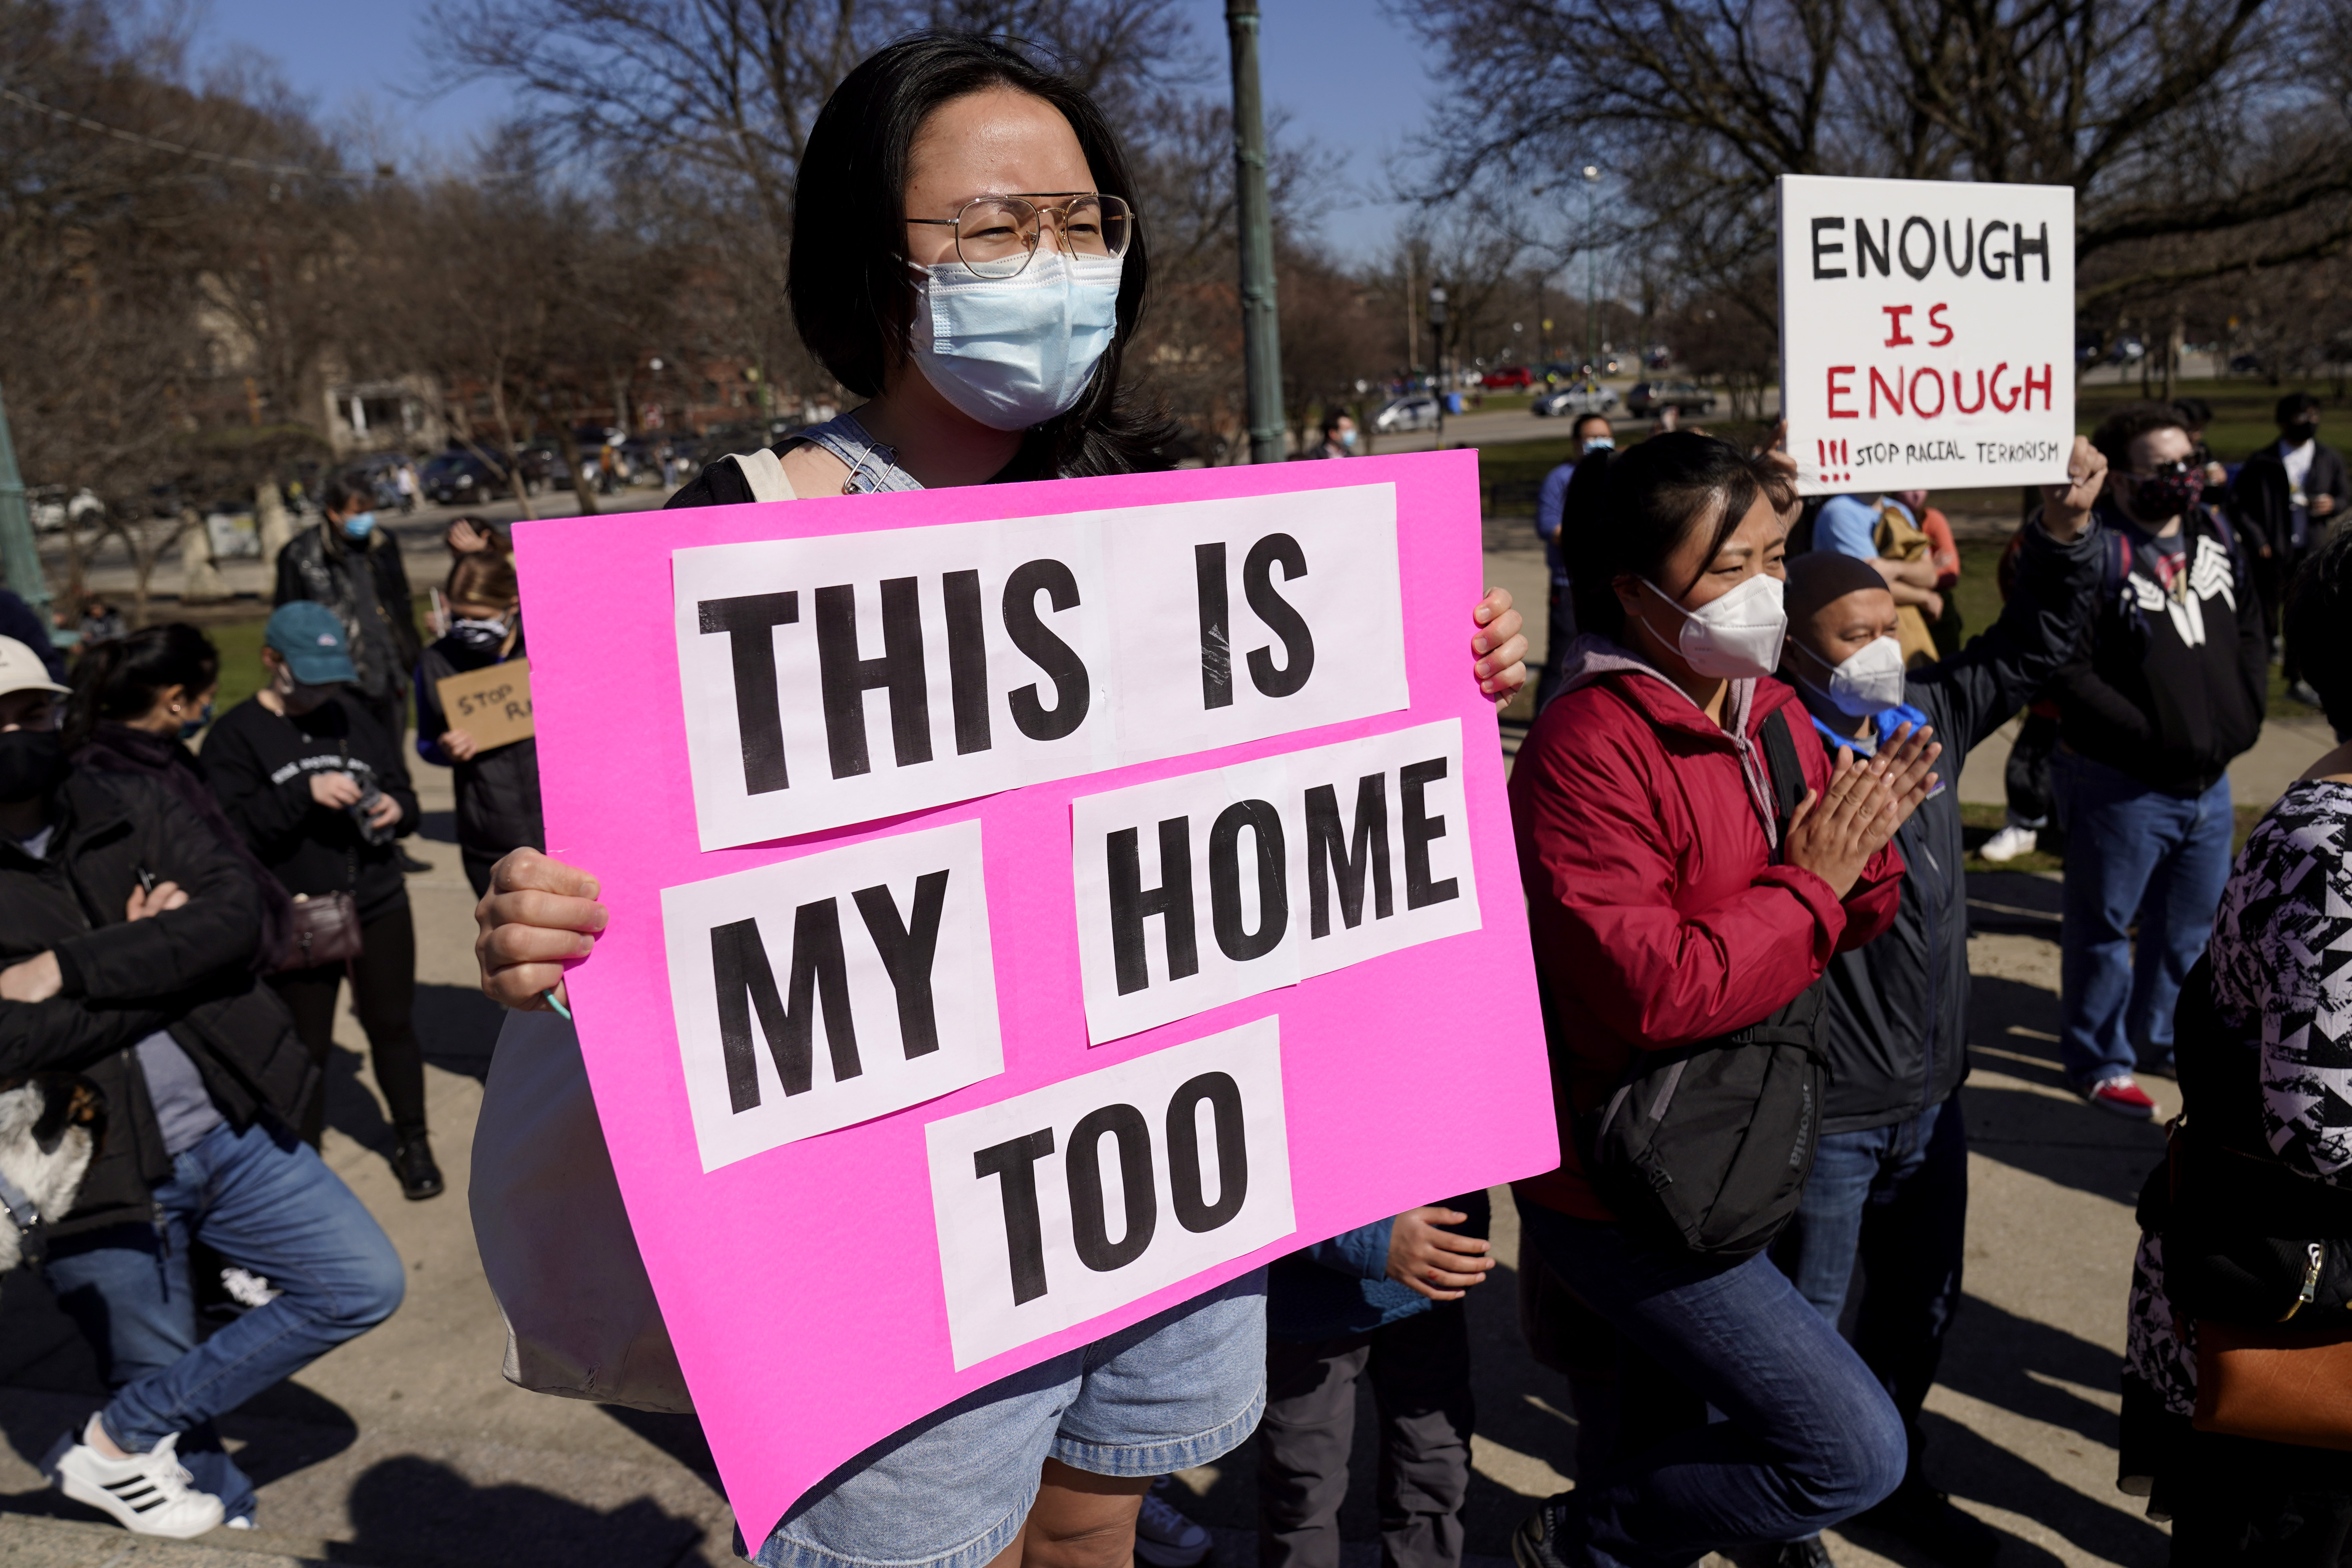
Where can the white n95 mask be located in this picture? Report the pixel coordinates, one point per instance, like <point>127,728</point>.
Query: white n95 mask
<point>1868,680</point>
<point>1737,637</point>
<point>1015,352</point>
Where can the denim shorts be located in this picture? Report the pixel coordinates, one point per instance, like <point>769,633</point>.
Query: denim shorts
<point>953,1490</point>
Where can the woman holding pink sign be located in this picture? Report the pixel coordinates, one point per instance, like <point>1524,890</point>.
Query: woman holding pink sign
<point>965,257</point>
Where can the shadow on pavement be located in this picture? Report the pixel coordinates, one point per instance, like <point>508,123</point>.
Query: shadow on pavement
<point>2060,1140</point>
<point>2015,903</point>
<point>2021,1366</point>
<point>412,1508</point>
<point>460,1028</point>
<point>679,1436</point>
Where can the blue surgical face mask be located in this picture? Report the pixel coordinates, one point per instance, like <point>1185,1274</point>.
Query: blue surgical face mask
<point>360,524</point>
<point>1346,438</point>
<point>192,728</point>
<point>1600,444</point>
<point>1015,352</point>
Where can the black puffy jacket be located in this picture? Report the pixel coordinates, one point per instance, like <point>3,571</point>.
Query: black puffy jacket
<point>498,790</point>
<point>1896,1024</point>
<point>189,971</point>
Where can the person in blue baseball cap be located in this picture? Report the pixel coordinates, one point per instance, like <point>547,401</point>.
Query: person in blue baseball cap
<point>311,775</point>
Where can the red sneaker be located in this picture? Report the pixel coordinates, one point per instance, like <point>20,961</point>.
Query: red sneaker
<point>2122,1097</point>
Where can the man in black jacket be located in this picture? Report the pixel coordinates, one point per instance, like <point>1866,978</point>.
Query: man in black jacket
<point>2169,687</point>
<point>352,566</point>
<point>1889,1183</point>
<point>127,934</point>
<point>2285,498</point>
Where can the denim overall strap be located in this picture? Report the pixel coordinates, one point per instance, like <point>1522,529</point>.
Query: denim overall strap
<point>872,466</point>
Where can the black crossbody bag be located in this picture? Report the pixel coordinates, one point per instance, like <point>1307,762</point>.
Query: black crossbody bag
<point>1705,1147</point>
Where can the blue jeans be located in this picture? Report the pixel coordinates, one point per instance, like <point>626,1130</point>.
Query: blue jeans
<point>1176,1390</point>
<point>262,1199</point>
<point>2131,851</point>
<point>1807,1438</point>
<point>1896,1197</point>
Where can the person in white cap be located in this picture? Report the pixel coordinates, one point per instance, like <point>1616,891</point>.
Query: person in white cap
<point>127,939</point>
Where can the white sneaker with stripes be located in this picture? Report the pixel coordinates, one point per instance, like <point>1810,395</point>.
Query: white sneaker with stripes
<point>149,1493</point>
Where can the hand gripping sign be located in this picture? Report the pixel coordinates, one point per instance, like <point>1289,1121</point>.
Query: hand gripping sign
<point>1032,906</point>
<point>1927,332</point>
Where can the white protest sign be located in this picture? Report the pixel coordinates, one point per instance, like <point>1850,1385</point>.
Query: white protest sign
<point>1927,332</point>
<point>828,682</point>
<point>814,994</point>
<point>1205,888</point>
<point>1057,1205</point>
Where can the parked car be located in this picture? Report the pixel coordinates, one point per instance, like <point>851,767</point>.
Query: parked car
<point>53,505</point>
<point>1415,413</point>
<point>1649,398</point>
<point>1508,378</point>
<point>1589,397</point>
<point>2246,364</point>
<point>2127,351</point>
<point>458,478</point>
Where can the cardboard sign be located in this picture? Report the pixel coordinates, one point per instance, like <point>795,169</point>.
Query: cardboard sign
<point>1149,909</point>
<point>1927,332</point>
<point>492,703</point>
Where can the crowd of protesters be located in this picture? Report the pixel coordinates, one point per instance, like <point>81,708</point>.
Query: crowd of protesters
<point>1743,864</point>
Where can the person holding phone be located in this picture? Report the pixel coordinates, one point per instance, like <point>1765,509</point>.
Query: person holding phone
<point>316,786</point>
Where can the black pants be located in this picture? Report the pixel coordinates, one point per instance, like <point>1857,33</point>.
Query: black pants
<point>384,993</point>
<point>1419,1371</point>
<point>478,868</point>
<point>2026,779</point>
<point>391,711</point>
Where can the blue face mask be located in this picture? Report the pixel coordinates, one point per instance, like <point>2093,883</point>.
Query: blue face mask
<point>1015,352</point>
<point>1346,438</point>
<point>1602,444</point>
<point>192,728</point>
<point>359,525</point>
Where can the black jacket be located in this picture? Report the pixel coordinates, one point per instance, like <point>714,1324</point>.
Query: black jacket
<point>2258,498</point>
<point>2168,691</point>
<point>379,619</point>
<point>190,971</point>
<point>1897,1022</point>
<point>498,791</point>
<point>259,764</point>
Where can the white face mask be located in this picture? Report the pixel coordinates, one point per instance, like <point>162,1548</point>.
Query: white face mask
<point>1737,637</point>
<point>1015,352</point>
<point>1869,680</point>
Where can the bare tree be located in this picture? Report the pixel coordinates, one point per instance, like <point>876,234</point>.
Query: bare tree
<point>2176,122</point>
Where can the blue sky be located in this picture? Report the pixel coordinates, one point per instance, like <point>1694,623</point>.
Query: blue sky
<point>1350,78</point>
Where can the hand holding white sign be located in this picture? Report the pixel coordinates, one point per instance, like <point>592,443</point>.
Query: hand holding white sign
<point>1927,332</point>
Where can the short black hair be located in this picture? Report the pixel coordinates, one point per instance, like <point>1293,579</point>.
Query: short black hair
<point>337,494</point>
<point>852,297</point>
<point>2195,412</point>
<point>2117,431</point>
<point>1576,425</point>
<point>2318,627</point>
<point>1331,417</point>
<point>1626,512</point>
<point>2293,406</point>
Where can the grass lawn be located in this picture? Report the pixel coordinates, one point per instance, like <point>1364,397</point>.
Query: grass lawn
<point>240,649</point>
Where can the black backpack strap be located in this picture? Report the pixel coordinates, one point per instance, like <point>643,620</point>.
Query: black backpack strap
<point>1787,773</point>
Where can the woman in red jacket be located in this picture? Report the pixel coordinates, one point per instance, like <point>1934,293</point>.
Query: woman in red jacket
<point>1670,904</point>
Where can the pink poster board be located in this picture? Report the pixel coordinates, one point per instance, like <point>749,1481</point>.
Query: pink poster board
<point>796,1364</point>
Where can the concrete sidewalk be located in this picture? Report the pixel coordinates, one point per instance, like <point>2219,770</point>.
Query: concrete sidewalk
<point>405,1448</point>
